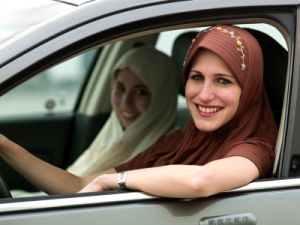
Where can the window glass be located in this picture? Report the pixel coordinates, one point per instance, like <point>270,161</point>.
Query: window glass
<point>53,91</point>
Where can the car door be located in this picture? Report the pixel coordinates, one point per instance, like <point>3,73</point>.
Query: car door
<point>271,201</point>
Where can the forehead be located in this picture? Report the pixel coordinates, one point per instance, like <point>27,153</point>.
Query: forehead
<point>128,77</point>
<point>209,61</point>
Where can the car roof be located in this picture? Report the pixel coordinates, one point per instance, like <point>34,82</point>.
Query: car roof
<point>74,2</point>
<point>22,15</point>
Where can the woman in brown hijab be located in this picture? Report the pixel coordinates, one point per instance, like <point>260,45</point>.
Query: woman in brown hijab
<point>230,141</point>
<point>232,137</point>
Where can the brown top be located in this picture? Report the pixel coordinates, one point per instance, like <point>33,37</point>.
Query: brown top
<point>252,131</point>
<point>163,152</point>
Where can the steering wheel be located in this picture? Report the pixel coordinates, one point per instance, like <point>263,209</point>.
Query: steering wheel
<point>4,191</point>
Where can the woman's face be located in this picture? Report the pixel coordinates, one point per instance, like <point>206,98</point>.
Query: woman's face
<point>130,97</point>
<point>212,92</point>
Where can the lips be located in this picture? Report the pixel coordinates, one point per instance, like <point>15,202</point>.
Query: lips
<point>128,115</point>
<point>209,109</point>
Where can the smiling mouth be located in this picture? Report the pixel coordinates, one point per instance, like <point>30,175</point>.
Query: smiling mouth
<point>209,110</point>
<point>127,115</point>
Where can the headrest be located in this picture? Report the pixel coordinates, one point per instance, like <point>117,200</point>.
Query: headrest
<point>275,70</point>
<point>179,50</point>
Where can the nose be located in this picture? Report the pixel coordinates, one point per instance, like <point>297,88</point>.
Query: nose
<point>206,92</point>
<point>127,100</point>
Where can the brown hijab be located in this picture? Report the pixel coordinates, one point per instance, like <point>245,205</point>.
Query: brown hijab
<point>252,131</point>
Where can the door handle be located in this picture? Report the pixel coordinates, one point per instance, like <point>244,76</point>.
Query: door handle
<point>231,219</point>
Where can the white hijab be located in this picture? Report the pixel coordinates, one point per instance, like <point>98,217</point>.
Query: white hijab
<point>113,145</point>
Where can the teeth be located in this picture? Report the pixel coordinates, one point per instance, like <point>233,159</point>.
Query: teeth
<point>209,110</point>
<point>128,115</point>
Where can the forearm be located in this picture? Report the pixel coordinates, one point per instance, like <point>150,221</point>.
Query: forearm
<point>184,181</point>
<point>188,181</point>
<point>168,181</point>
<point>177,181</point>
<point>44,176</point>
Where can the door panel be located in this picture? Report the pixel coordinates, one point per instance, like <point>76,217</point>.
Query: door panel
<point>266,208</point>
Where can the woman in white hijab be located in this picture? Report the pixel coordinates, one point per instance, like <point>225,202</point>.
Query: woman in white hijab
<point>115,144</point>
<point>120,139</point>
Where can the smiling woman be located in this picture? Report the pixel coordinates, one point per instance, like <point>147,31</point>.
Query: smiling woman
<point>138,118</point>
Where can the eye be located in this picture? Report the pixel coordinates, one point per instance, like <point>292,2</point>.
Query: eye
<point>224,81</point>
<point>196,76</point>
<point>119,87</point>
<point>142,91</point>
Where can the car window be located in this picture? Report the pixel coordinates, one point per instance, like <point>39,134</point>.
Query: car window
<point>52,91</point>
<point>56,90</point>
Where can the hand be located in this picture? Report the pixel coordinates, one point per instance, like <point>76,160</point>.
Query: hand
<point>102,183</point>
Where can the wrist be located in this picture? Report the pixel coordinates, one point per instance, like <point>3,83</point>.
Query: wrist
<point>109,181</point>
<point>122,178</point>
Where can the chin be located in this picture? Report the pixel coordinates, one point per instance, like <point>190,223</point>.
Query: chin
<point>206,127</point>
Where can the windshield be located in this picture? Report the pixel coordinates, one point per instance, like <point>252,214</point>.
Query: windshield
<point>19,15</point>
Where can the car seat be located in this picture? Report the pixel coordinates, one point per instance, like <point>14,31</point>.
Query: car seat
<point>178,52</point>
<point>275,70</point>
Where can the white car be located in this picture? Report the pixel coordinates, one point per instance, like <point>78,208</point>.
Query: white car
<point>54,68</point>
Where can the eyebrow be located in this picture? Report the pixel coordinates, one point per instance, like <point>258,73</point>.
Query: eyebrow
<point>218,74</point>
<point>141,86</point>
<point>135,86</point>
<point>226,75</point>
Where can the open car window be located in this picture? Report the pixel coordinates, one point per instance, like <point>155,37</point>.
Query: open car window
<point>82,85</point>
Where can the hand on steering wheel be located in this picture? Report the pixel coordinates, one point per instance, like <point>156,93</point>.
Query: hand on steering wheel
<point>4,190</point>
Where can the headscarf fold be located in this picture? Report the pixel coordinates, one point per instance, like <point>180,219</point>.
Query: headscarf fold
<point>113,145</point>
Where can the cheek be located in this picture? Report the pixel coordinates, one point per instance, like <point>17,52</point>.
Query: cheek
<point>191,90</point>
<point>143,103</point>
<point>115,99</point>
<point>232,98</point>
